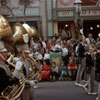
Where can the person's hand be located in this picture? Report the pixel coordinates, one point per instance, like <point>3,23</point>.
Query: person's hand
<point>32,83</point>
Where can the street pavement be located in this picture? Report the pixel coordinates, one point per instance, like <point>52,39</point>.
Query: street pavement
<point>61,90</point>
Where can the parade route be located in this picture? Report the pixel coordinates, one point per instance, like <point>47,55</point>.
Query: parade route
<point>61,91</point>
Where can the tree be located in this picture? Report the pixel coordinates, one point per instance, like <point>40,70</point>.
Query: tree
<point>4,3</point>
<point>25,4</point>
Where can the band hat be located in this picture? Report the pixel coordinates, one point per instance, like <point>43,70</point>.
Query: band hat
<point>27,51</point>
<point>3,50</point>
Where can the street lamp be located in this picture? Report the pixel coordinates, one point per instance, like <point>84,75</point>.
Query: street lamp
<point>78,5</point>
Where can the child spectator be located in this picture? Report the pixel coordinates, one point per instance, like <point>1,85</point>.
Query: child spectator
<point>54,72</point>
<point>63,71</point>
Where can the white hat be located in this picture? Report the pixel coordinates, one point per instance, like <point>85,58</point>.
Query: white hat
<point>27,51</point>
<point>99,35</point>
<point>3,50</point>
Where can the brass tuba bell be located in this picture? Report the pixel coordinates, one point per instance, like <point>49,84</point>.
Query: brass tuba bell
<point>6,33</point>
<point>32,31</point>
<point>5,29</point>
<point>18,33</point>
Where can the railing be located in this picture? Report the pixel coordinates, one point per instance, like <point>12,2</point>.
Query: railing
<point>4,11</point>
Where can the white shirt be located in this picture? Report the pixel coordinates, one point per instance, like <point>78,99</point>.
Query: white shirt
<point>44,44</point>
<point>46,56</point>
<point>64,51</point>
<point>58,46</point>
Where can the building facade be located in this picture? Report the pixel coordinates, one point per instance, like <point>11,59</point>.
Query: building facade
<point>61,17</point>
<point>52,17</point>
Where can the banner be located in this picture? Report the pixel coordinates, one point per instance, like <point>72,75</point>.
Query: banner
<point>56,57</point>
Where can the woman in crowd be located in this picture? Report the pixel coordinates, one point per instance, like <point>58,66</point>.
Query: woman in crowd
<point>45,73</point>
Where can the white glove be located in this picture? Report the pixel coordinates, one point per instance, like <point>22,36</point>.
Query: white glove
<point>15,59</point>
<point>81,31</point>
<point>18,65</point>
<point>32,83</point>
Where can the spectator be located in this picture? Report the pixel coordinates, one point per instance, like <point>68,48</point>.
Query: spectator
<point>64,54</point>
<point>63,71</point>
<point>47,55</point>
<point>45,73</point>
<point>41,48</point>
<point>43,42</point>
<point>54,72</point>
<point>90,39</point>
<point>72,66</point>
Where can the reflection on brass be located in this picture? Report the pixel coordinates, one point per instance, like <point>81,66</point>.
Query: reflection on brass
<point>18,32</point>
<point>5,29</point>
<point>6,33</point>
<point>34,69</point>
<point>31,31</point>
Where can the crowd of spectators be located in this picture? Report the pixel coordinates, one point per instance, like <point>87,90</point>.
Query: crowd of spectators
<point>68,47</point>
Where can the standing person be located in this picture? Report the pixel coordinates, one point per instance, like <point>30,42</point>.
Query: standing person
<point>90,39</point>
<point>89,86</point>
<point>64,54</point>
<point>23,51</point>
<point>82,59</point>
<point>7,77</point>
<point>97,72</point>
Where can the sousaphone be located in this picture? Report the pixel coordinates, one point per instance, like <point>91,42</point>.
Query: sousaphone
<point>14,91</point>
<point>6,33</point>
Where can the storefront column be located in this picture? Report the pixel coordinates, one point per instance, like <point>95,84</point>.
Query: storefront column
<point>49,18</point>
<point>43,14</point>
<point>55,27</point>
<point>72,30</point>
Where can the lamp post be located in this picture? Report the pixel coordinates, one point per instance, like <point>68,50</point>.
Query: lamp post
<point>78,5</point>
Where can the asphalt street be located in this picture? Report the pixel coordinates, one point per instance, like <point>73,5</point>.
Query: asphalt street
<point>61,91</point>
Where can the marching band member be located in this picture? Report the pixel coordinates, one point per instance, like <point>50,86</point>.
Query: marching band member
<point>23,50</point>
<point>6,76</point>
<point>97,72</point>
<point>81,54</point>
<point>90,69</point>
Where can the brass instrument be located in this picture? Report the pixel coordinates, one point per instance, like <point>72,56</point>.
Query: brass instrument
<point>32,31</point>
<point>34,69</point>
<point>6,33</point>
<point>13,92</point>
<point>19,30</point>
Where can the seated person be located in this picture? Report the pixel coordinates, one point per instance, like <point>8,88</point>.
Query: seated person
<point>63,71</point>
<point>45,73</point>
<point>54,72</point>
<point>72,66</point>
